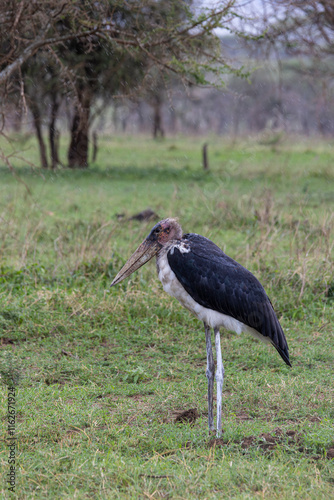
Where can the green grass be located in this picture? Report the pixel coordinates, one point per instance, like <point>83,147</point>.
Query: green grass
<point>103,373</point>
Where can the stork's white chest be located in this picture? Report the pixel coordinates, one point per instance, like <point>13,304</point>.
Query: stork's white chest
<point>172,286</point>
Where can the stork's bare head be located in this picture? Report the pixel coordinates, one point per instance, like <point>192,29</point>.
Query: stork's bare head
<point>165,231</point>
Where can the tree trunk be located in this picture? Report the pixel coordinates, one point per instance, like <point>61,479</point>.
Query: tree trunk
<point>205,156</point>
<point>95,147</point>
<point>78,149</point>
<point>17,119</point>
<point>53,136</point>
<point>235,120</point>
<point>157,118</point>
<point>173,118</point>
<point>38,128</point>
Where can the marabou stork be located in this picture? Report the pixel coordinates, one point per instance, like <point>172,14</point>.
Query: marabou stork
<point>214,287</point>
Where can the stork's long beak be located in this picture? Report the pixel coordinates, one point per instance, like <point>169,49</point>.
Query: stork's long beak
<point>143,254</point>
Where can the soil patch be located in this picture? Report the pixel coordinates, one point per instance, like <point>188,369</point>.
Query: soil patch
<point>187,416</point>
<point>243,416</point>
<point>6,341</point>
<point>268,442</point>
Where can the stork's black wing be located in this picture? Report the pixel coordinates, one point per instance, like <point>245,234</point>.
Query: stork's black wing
<point>218,282</point>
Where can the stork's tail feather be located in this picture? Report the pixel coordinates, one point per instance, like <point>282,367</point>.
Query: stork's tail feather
<point>284,354</point>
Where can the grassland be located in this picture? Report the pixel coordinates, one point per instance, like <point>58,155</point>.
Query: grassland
<point>103,374</point>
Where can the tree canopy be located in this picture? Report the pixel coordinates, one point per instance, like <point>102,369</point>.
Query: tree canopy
<point>84,49</point>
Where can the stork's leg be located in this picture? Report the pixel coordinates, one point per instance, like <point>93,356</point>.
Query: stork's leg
<point>219,380</point>
<point>210,369</point>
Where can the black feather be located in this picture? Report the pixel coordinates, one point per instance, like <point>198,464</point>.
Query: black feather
<point>218,282</point>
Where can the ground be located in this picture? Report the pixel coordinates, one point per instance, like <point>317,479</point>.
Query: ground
<point>110,386</point>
